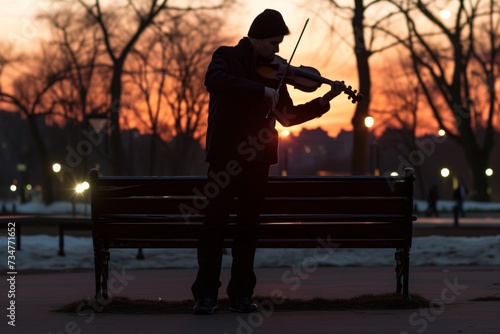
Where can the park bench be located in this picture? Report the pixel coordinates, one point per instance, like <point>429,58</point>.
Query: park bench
<point>63,222</point>
<point>298,212</point>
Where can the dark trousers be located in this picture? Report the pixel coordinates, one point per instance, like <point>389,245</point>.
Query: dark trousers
<point>247,182</point>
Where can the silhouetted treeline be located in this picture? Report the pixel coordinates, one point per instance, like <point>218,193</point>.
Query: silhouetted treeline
<point>311,152</point>
<point>20,163</point>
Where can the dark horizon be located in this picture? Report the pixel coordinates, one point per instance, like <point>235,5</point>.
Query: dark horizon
<point>311,152</point>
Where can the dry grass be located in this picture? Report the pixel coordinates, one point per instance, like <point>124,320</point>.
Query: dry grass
<point>125,305</point>
<point>487,299</point>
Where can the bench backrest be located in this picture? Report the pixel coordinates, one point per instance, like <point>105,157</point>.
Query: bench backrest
<point>329,199</point>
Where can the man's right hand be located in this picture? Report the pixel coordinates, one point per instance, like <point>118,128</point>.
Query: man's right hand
<point>273,95</point>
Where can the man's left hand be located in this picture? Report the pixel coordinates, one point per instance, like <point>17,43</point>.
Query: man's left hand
<point>336,88</point>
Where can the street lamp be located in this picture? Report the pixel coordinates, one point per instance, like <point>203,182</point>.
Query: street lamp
<point>489,173</point>
<point>374,148</point>
<point>445,172</point>
<point>284,167</point>
<point>80,189</point>
<point>56,168</point>
<point>13,190</point>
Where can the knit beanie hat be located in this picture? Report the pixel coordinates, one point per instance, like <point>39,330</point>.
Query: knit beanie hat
<point>268,24</point>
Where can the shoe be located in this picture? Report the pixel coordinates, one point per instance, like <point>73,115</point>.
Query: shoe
<point>204,306</point>
<point>243,305</point>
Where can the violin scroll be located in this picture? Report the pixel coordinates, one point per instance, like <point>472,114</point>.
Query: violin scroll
<point>352,95</point>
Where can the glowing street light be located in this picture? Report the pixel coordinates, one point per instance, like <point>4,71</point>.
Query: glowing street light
<point>285,133</point>
<point>369,121</point>
<point>444,14</point>
<point>441,133</point>
<point>488,172</point>
<point>56,168</point>
<point>445,172</point>
<point>81,187</point>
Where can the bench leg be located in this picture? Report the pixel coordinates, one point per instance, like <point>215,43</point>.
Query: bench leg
<point>140,254</point>
<point>406,273</point>
<point>101,267</point>
<point>61,241</point>
<point>402,257</point>
<point>399,269</point>
<point>18,236</point>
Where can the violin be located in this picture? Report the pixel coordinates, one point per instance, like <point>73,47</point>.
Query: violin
<point>304,78</point>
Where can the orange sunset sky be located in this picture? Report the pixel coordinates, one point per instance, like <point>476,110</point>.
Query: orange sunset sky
<point>331,54</point>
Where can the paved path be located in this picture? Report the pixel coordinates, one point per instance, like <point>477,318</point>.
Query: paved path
<point>472,219</point>
<point>451,289</point>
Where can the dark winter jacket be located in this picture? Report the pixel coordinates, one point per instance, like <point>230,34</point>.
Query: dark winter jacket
<point>237,125</point>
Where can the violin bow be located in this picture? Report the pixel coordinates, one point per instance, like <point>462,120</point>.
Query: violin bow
<point>288,64</point>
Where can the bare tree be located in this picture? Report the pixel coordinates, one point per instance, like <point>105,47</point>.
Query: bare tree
<point>147,82</point>
<point>190,45</point>
<point>364,45</point>
<point>78,95</point>
<point>457,63</point>
<point>405,98</point>
<point>166,79</point>
<point>119,40</point>
<point>110,20</point>
<point>29,93</point>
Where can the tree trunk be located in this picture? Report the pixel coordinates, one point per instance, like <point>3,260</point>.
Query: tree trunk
<point>360,131</point>
<point>117,152</point>
<point>477,156</point>
<point>47,174</point>
<point>478,161</point>
<point>152,153</point>
<point>480,185</point>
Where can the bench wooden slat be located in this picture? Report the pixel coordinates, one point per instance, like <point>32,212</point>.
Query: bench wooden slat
<point>265,218</point>
<point>312,231</point>
<point>277,186</point>
<point>310,205</point>
<point>265,243</point>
